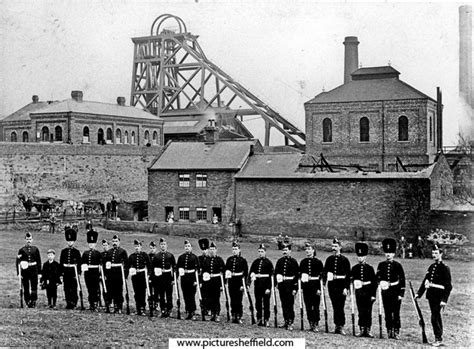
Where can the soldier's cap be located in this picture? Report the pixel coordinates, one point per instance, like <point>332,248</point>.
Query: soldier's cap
<point>152,244</point>
<point>235,244</point>
<point>308,244</point>
<point>51,251</point>
<point>288,246</point>
<point>104,241</point>
<point>92,236</point>
<point>137,242</point>
<point>262,247</point>
<point>162,240</point>
<point>362,249</point>
<point>436,248</point>
<point>187,242</point>
<point>389,245</point>
<point>213,245</point>
<point>115,237</point>
<point>70,234</point>
<point>336,241</point>
<point>28,235</point>
<point>203,244</point>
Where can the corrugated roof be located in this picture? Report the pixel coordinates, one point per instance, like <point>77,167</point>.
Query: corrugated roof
<point>23,114</point>
<point>226,155</point>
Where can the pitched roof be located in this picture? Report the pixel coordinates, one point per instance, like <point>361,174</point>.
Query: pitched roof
<point>225,155</point>
<point>375,73</point>
<point>23,114</point>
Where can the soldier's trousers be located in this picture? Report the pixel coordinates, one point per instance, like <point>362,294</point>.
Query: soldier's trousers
<point>115,287</point>
<point>189,291</point>
<point>338,300</point>
<point>262,301</point>
<point>364,306</point>
<point>436,321</point>
<point>165,291</point>
<point>155,290</point>
<point>236,294</point>
<point>70,286</point>
<point>92,279</point>
<point>285,289</point>
<point>311,300</point>
<point>391,306</point>
<point>139,289</point>
<point>212,290</point>
<point>30,284</point>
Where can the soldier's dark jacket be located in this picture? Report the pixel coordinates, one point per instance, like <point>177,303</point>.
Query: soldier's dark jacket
<point>139,260</point>
<point>314,268</point>
<point>438,274</point>
<point>392,272</point>
<point>91,257</point>
<point>366,274</point>
<point>29,254</point>
<point>340,266</point>
<point>164,260</point>
<point>237,264</point>
<point>262,266</point>
<point>69,256</point>
<point>117,255</point>
<point>188,261</point>
<point>287,266</point>
<point>213,265</point>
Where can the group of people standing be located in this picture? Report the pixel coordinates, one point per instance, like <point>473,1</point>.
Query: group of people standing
<point>156,274</point>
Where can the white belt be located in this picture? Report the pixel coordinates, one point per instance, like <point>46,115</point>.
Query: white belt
<point>31,264</point>
<point>262,275</point>
<point>92,266</point>
<point>116,264</point>
<point>392,283</point>
<point>237,274</point>
<point>166,270</point>
<point>368,282</point>
<point>189,271</point>
<point>436,286</point>
<point>69,265</point>
<point>288,277</point>
<point>313,278</point>
<point>215,275</point>
<point>339,277</point>
<point>141,270</point>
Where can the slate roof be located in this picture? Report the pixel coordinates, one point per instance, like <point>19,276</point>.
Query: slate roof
<point>23,114</point>
<point>224,155</point>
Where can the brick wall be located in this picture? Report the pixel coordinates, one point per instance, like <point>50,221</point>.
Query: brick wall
<point>324,208</point>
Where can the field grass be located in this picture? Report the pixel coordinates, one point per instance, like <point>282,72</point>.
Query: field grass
<point>44,327</point>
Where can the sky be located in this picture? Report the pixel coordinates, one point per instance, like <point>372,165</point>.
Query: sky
<point>285,52</point>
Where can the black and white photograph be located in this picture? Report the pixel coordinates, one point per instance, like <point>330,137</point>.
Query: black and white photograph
<point>236,174</point>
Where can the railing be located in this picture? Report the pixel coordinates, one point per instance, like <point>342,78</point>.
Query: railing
<point>14,216</point>
<point>459,150</point>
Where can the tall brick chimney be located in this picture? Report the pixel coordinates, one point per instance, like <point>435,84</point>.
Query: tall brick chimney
<point>35,99</point>
<point>121,101</point>
<point>465,54</point>
<point>77,96</point>
<point>210,130</point>
<point>351,57</point>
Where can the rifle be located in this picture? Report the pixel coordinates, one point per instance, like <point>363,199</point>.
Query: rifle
<point>127,299</point>
<point>379,291</point>
<point>249,298</point>
<point>323,298</point>
<point>300,294</point>
<point>274,302</point>
<point>352,309</point>
<point>178,300</point>
<point>80,287</point>
<point>421,321</point>
<point>104,288</point>
<point>226,298</point>
<point>21,285</point>
<point>203,311</point>
<point>148,293</point>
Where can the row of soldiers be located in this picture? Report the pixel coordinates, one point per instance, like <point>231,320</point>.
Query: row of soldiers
<point>208,275</point>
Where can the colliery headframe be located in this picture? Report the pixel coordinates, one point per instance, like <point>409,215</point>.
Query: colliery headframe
<point>172,77</point>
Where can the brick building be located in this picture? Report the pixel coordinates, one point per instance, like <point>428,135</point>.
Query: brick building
<point>372,119</point>
<point>78,121</point>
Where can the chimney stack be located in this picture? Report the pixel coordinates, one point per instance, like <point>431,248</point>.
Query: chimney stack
<point>351,57</point>
<point>210,130</point>
<point>35,99</point>
<point>77,96</point>
<point>465,53</point>
<point>121,101</point>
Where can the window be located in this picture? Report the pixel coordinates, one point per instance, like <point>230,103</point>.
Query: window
<point>403,128</point>
<point>132,140</point>
<point>184,180</point>
<point>201,213</point>
<point>364,129</point>
<point>85,135</point>
<point>118,136</point>
<point>327,130</point>
<point>184,213</point>
<point>109,136</point>
<point>100,136</point>
<point>25,137</point>
<point>201,180</point>
<point>45,134</point>
<point>125,137</point>
<point>155,137</point>
<point>13,137</point>
<point>58,134</point>
<point>147,137</point>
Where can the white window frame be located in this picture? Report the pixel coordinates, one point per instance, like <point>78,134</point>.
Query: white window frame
<point>201,180</point>
<point>184,213</point>
<point>184,180</point>
<point>201,213</point>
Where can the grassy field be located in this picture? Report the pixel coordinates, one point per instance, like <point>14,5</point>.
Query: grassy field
<point>45,327</point>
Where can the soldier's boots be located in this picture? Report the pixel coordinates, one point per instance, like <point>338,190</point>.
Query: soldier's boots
<point>259,322</point>
<point>266,323</point>
<point>339,330</point>
<point>92,306</point>
<point>313,327</point>
<point>362,332</point>
<point>189,315</point>
<point>396,333</point>
<point>215,317</point>
<point>391,333</point>
<point>368,333</point>
<point>285,325</point>
<point>290,326</point>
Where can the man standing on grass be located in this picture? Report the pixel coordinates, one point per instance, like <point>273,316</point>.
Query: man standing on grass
<point>153,285</point>
<point>204,246</point>
<point>212,268</point>
<point>116,259</point>
<point>70,261</point>
<point>164,265</point>
<point>138,262</point>
<point>337,271</point>
<point>29,261</point>
<point>437,283</point>
<point>188,264</point>
<point>391,277</point>
<point>91,260</point>
<point>236,270</point>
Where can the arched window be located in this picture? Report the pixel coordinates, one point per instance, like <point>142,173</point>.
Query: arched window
<point>403,128</point>
<point>45,134</point>
<point>25,137</point>
<point>109,135</point>
<point>125,137</point>
<point>58,133</point>
<point>327,130</point>
<point>155,137</point>
<point>13,137</point>
<point>147,137</point>
<point>132,140</point>
<point>118,136</point>
<point>85,135</point>
<point>100,136</point>
<point>364,129</point>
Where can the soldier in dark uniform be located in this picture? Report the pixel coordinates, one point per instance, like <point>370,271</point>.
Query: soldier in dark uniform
<point>116,259</point>
<point>212,268</point>
<point>138,262</point>
<point>103,255</point>
<point>153,285</point>
<point>261,271</point>
<point>204,246</point>
<point>311,271</point>
<point>437,283</point>
<point>365,289</point>
<point>70,261</point>
<point>51,278</point>
<point>29,261</point>
<point>188,264</point>
<point>164,265</point>
<point>391,278</point>
<point>90,262</point>
<point>287,274</point>
<point>236,270</point>
<point>337,271</point>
